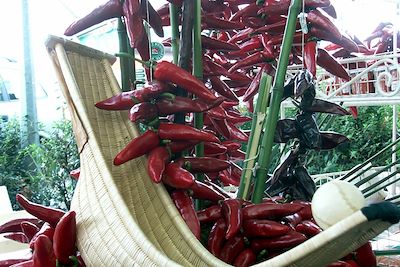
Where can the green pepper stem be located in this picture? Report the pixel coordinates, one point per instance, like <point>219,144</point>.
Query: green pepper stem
<point>255,134</point>
<point>276,98</point>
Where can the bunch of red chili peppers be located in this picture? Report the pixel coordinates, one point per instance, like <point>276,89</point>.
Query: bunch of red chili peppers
<point>50,233</point>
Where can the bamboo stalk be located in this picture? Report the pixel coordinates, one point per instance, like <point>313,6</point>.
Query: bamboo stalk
<point>123,61</point>
<point>371,176</point>
<point>174,18</point>
<point>360,172</point>
<point>376,189</point>
<point>276,98</point>
<point>255,134</point>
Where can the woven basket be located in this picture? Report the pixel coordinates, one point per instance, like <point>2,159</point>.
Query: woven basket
<point>123,218</point>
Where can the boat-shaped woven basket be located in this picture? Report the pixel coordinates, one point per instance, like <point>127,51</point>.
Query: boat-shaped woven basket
<point>123,218</point>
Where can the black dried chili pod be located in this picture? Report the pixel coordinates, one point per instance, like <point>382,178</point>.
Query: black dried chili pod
<point>319,105</point>
<point>330,140</point>
<point>305,183</point>
<point>308,97</point>
<point>285,130</point>
<point>303,82</point>
<point>309,134</point>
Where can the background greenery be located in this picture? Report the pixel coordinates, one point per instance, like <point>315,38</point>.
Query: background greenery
<point>40,172</point>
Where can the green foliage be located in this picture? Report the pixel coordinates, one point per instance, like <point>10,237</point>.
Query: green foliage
<point>40,172</point>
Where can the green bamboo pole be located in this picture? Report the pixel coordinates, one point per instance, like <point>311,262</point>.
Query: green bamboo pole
<point>376,189</point>
<point>124,61</point>
<point>371,176</point>
<point>255,135</point>
<point>198,67</point>
<point>276,98</point>
<point>174,18</point>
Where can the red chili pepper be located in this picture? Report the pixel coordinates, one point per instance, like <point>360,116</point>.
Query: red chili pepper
<point>216,239</point>
<point>217,188</point>
<point>248,11</point>
<point>231,145</point>
<point>287,240</point>
<point>215,44</point>
<point>43,254</point>
<point>75,173</point>
<point>65,238</point>
<point>29,229</point>
<point>343,41</point>
<point>237,155</point>
<point>152,16</point>
<point>201,190</point>
<point>168,72</point>
<point>254,85</point>
<point>222,88</point>
<point>181,104</point>
<point>213,149</point>
<point>28,263</point>
<point>265,228</point>
<point>173,131</point>
<point>163,10</point>
<point>203,164</point>
<point>139,146</point>
<point>235,133</point>
<point>253,59</point>
<point>317,19</point>
<point>126,100</point>
<point>111,9</point>
<point>210,214</point>
<point>156,161</point>
<point>236,118</point>
<point>241,35</point>
<point>142,112</point>
<point>326,61</point>
<point>15,224</point>
<point>212,22</point>
<point>179,146</point>
<point>269,210</point>
<point>46,230</point>
<point>134,24</point>
<point>177,177</point>
<point>17,236</point>
<point>47,214</point>
<point>246,258</point>
<point>293,219</point>
<point>14,262</point>
<point>184,204</point>
<point>227,179</point>
<point>232,212</point>
<point>308,228</point>
<point>365,256</point>
<point>232,248</point>
<point>310,57</point>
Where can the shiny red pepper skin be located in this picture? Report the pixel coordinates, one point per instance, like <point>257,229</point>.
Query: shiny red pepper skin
<point>204,191</point>
<point>248,11</point>
<point>15,224</point>
<point>184,204</point>
<point>43,254</point>
<point>212,22</point>
<point>253,59</point>
<point>241,35</point>
<point>184,105</point>
<point>308,228</point>
<point>177,177</point>
<point>142,112</point>
<point>133,22</point>
<point>179,146</point>
<point>246,258</point>
<point>203,164</point>
<point>216,239</point>
<point>287,240</point>
<point>75,173</point>
<point>222,88</point>
<point>310,57</point>
<point>168,72</point>
<point>46,230</point>
<point>17,236</point>
<point>235,133</point>
<point>111,9</point>
<point>139,146</point>
<point>253,87</point>
<point>231,145</point>
<point>47,214</point>
<point>214,149</point>
<point>173,131</point>
<point>232,248</point>
<point>365,256</point>
<point>269,210</point>
<point>317,19</point>
<point>210,214</point>
<point>156,161</point>
<point>153,18</point>
<point>264,228</point>
<point>325,60</point>
<point>217,188</point>
<point>215,44</point>
<point>232,212</point>
<point>64,238</point>
<point>29,229</point>
<point>226,178</point>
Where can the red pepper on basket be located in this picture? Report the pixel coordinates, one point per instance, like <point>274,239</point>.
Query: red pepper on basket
<point>156,161</point>
<point>168,72</point>
<point>65,238</point>
<point>111,9</point>
<point>177,177</point>
<point>287,240</point>
<point>173,131</point>
<point>184,204</point>
<point>210,214</point>
<point>47,214</point>
<point>310,57</point>
<point>216,239</point>
<point>246,258</point>
<point>43,254</point>
<point>46,230</point>
<point>232,212</point>
<point>232,248</point>
<point>265,228</point>
<point>269,210</point>
<point>201,190</point>
<point>139,146</point>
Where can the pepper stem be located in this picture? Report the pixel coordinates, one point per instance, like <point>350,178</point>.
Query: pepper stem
<point>276,98</point>
<point>255,134</point>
